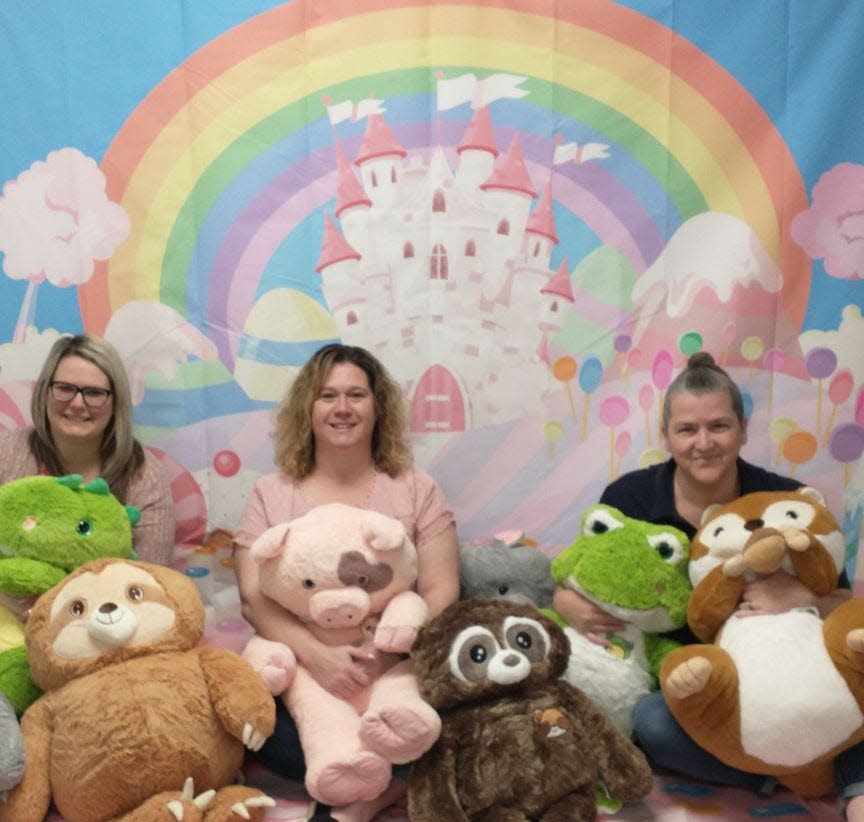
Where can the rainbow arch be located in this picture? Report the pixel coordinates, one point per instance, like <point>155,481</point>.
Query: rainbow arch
<point>231,157</point>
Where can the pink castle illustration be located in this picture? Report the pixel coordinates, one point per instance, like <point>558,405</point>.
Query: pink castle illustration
<point>445,274</point>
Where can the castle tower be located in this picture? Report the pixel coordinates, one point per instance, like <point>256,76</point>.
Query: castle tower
<point>380,161</point>
<point>352,204</point>
<point>540,234</point>
<point>557,292</point>
<point>340,277</point>
<point>477,151</point>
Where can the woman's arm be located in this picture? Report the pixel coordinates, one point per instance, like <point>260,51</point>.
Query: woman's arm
<point>150,493</point>
<point>340,669</point>
<point>438,570</point>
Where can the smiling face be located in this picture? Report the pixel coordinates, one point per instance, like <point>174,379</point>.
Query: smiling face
<point>704,437</point>
<point>343,415</point>
<point>75,419</point>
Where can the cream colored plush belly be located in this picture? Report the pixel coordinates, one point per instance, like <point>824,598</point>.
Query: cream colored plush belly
<point>795,706</point>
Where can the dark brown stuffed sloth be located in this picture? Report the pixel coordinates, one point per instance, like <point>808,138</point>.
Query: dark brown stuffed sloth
<point>517,742</point>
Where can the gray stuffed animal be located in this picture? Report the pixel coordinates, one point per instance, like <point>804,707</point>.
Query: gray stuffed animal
<point>507,567</point>
<point>11,749</point>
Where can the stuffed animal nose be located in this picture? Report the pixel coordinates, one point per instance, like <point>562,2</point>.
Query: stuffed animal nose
<point>343,608</point>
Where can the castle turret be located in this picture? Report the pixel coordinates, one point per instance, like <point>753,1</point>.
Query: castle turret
<point>477,151</point>
<point>337,265</point>
<point>558,293</point>
<point>352,204</point>
<point>540,234</point>
<point>380,161</point>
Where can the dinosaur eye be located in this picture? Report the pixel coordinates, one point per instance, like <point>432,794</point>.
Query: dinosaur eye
<point>598,527</point>
<point>77,607</point>
<point>84,527</point>
<point>135,593</point>
<point>309,583</point>
<point>668,547</point>
<point>599,522</point>
<point>503,589</point>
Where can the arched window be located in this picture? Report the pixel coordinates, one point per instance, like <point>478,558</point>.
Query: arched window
<point>438,263</point>
<point>537,249</point>
<point>374,177</point>
<point>392,174</point>
<point>351,319</point>
<point>408,250</point>
<point>470,249</point>
<point>554,307</point>
<point>504,227</point>
<point>438,202</point>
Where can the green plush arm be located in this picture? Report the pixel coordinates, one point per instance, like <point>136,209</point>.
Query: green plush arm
<point>23,577</point>
<point>656,649</point>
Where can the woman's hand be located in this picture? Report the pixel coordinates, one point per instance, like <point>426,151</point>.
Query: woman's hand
<point>343,670</point>
<point>774,594</point>
<point>584,616</point>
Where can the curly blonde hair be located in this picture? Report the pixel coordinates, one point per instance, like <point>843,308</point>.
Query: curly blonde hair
<point>294,441</point>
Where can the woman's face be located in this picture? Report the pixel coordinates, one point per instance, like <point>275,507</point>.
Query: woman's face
<point>75,419</point>
<point>704,436</point>
<point>343,415</point>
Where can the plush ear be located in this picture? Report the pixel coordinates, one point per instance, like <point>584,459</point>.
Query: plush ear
<point>709,512</point>
<point>382,533</point>
<point>271,543</point>
<point>812,494</point>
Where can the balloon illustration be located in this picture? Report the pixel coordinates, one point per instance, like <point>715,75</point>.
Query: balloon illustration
<point>646,400</point>
<point>859,406</point>
<point>820,363</point>
<point>552,432</point>
<point>564,369</point>
<point>613,411</point>
<point>752,349</point>
<point>590,376</point>
<point>839,390</point>
<point>226,463</point>
<point>847,445</point>
<point>690,343</point>
<point>798,448</point>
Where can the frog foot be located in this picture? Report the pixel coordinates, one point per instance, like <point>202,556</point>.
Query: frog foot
<point>688,678</point>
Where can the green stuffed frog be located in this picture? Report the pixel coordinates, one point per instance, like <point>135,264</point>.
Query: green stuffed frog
<point>636,572</point>
<point>48,527</point>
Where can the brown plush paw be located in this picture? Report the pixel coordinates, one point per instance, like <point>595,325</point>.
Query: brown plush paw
<point>855,640</point>
<point>238,802</point>
<point>688,678</point>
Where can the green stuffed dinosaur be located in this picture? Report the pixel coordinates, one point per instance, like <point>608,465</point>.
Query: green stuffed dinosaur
<point>48,527</point>
<point>636,572</point>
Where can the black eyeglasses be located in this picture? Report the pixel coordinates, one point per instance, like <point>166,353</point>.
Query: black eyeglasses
<point>92,396</point>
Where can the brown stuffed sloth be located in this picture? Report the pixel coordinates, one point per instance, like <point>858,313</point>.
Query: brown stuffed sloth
<point>517,743</point>
<point>135,719</point>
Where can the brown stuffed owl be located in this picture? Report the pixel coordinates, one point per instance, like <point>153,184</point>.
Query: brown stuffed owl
<point>517,743</point>
<point>136,717</point>
<point>774,693</point>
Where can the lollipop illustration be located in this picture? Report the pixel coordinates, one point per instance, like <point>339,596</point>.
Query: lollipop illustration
<point>820,363</point>
<point>689,343</point>
<point>752,349</point>
<point>553,431</point>
<point>590,376</point>
<point>646,400</point>
<point>779,430</point>
<point>839,390</point>
<point>613,411</point>
<point>661,373</point>
<point>622,344</point>
<point>799,447</point>
<point>564,369</point>
<point>847,445</point>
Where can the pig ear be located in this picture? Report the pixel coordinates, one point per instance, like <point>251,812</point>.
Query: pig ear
<point>382,533</point>
<point>271,543</point>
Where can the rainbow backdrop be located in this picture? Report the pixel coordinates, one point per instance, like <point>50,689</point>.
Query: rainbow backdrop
<point>226,166</point>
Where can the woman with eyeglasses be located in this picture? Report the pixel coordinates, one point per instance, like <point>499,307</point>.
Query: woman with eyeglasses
<point>82,424</point>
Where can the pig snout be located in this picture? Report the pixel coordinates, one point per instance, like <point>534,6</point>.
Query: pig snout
<point>343,608</point>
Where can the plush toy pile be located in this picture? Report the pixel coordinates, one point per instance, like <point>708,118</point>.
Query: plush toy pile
<point>636,572</point>
<point>347,573</point>
<point>517,742</point>
<point>506,567</point>
<point>778,694</point>
<point>136,716</point>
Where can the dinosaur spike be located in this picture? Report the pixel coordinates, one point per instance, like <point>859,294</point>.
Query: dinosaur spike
<point>98,486</point>
<point>71,481</point>
<point>134,514</point>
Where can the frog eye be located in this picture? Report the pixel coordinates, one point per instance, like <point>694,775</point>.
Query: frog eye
<point>668,547</point>
<point>600,522</point>
<point>84,527</point>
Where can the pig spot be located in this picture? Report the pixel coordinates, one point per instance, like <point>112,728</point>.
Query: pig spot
<point>356,571</point>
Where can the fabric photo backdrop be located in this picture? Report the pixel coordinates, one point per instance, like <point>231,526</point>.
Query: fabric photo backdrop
<point>532,211</point>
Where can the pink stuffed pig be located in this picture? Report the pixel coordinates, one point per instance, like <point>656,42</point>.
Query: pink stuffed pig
<point>347,573</point>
